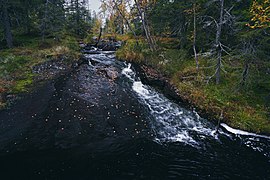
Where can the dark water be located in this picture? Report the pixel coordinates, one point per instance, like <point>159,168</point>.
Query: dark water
<point>86,125</point>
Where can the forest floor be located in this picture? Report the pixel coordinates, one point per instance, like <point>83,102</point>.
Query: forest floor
<point>19,66</point>
<point>244,107</point>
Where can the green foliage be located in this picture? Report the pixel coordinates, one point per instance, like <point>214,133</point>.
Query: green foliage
<point>78,18</point>
<point>11,63</point>
<point>23,84</point>
<point>166,14</point>
<point>26,40</point>
<point>133,51</point>
<point>89,38</point>
<point>171,61</point>
<point>71,43</point>
<point>168,43</point>
<point>46,19</point>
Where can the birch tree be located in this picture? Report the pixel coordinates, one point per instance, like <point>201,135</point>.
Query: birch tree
<point>218,42</point>
<point>141,7</point>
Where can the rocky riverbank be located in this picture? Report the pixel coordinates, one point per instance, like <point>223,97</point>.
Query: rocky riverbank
<point>175,75</point>
<point>154,78</point>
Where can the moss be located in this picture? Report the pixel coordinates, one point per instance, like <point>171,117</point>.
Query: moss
<point>22,85</point>
<point>12,63</point>
<point>16,64</point>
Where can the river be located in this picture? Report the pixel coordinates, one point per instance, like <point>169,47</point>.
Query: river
<point>102,122</point>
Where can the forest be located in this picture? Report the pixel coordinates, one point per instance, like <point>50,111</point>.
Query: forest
<point>137,89</point>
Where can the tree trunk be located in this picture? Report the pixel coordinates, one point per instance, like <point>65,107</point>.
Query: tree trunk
<point>6,23</point>
<point>146,27</point>
<point>99,37</point>
<point>44,26</point>
<point>218,66</point>
<point>245,73</point>
<point>218,44</point>
<point>27,20</point>
<point>77,18</point>
<point>28,23</point>
<point>128,24</point>
<point>194,37</point>
<point>122,26</point>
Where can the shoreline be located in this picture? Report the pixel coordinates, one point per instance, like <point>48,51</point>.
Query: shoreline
<point>152,77</point>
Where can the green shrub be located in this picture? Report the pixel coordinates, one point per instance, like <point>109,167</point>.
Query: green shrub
<point>89,39</point>
<point>13,63</point>
<point>71,43</point>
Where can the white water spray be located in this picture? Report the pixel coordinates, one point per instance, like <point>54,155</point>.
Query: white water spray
<point>171,122</point>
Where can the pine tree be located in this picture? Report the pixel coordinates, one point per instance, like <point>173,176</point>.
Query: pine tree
<point>5,19</point>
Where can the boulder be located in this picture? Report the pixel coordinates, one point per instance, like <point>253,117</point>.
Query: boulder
<point>112,73</point>
<point>109,72</point>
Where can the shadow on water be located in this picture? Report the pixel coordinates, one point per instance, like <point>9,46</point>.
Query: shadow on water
<point>101,122</point>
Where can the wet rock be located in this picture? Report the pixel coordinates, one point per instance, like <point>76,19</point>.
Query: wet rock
<point>112,73</point>
<point>152,76</point>
<point>109,72</point>
<point>90,49</point>
<point>2,99</point>
<point>82,45</point>
<point>54,68</point>
<point>90,52</point>
<point>110,46</point>
<point>10,96</point>
<point>105,45</point>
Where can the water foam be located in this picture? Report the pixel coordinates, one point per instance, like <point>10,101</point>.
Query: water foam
<point>170,122</point>
<point>243,133</point>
